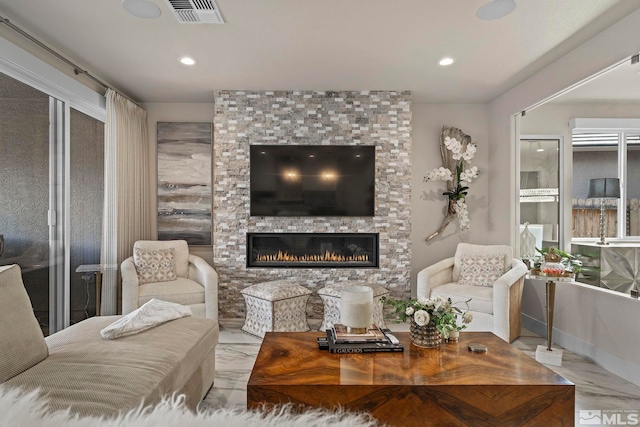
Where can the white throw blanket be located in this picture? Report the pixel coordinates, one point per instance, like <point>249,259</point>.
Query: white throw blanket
<point>150,314</point>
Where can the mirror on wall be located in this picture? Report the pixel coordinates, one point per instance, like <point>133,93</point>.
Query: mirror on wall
<point>597,126</point>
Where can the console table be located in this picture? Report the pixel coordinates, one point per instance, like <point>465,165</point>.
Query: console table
<point>419,387</point>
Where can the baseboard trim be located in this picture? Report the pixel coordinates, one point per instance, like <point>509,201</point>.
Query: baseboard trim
<point>614,364</point>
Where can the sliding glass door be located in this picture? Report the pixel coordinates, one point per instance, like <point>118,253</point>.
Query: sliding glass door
<point>51,191</point>
<point>28,170</point>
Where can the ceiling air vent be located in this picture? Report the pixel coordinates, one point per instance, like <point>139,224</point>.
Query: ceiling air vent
<point>196,11</point>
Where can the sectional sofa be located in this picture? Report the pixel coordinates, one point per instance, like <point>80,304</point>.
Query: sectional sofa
<point>78,369</point>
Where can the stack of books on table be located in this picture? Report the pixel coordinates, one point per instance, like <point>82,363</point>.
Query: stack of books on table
<point>338,340</point>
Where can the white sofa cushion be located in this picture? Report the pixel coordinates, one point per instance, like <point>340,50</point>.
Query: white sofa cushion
<point>22,344</point>
<point>157,265</point>
<point>469,249</point>
<point>181,252</point>
<point>180,291</point>
<point>481,296</point>
<point>480,270</point>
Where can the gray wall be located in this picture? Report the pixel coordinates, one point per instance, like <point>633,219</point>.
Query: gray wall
<point>604,164</point>
<point>592,164</point>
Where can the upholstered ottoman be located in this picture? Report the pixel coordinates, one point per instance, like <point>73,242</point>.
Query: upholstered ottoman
<point>330,296</point>
<point>278,306</point>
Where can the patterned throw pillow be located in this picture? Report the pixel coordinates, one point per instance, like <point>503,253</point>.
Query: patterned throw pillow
<point>480,270</point>
<point>156,265</point>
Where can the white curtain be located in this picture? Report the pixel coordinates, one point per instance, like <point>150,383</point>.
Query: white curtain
<point>127,207</point>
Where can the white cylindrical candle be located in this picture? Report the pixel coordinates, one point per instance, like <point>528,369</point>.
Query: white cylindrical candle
<point>356,307</point>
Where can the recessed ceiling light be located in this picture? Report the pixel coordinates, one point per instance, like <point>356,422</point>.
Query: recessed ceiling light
<point>187,60</point>
<point>496,9</point>
<point>141,8</point>
<point>446,61</point>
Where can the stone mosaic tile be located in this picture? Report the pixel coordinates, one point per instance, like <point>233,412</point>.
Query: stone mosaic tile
<point>380,118</point>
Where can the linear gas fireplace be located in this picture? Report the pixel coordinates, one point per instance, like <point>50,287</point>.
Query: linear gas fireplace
<point>305,250</point>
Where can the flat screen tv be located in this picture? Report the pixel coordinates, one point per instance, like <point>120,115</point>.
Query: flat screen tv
<point>312,180</point>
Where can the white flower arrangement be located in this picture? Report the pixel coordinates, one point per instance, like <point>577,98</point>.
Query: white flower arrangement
<point>441,311</point>
<point>461,155</point>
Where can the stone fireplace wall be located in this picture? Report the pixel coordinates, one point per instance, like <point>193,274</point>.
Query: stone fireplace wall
<point>379,118</point>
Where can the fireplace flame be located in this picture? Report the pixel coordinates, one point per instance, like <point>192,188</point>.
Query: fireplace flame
<point>326,257</point>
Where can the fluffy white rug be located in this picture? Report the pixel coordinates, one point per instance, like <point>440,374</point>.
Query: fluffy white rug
<point>29,410</point>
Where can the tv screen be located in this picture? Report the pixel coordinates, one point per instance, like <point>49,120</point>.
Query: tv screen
<point>312,180</point>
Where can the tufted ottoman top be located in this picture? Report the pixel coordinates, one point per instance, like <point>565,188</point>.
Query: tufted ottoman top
<point>334,290</point>
<point>276,290</point>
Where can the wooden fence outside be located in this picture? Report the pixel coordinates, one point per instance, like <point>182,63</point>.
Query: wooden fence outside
<point>586,218</point>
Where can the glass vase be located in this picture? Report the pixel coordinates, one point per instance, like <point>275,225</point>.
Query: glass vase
<point>427,336</point>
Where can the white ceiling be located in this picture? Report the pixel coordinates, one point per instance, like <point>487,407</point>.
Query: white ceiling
<point>317,45</point>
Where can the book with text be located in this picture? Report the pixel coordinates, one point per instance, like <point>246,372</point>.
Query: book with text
<point>362,347</point>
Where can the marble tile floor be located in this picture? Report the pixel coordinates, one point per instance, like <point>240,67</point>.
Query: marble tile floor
<point>596,388</point>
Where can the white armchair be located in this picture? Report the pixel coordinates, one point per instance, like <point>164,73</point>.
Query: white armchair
<point>192,282</point>
<point>495,302</point>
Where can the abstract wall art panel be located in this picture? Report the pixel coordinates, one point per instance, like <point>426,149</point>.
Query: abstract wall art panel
<point>184,182</point>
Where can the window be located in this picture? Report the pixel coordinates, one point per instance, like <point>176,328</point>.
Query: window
<point>606,148</point>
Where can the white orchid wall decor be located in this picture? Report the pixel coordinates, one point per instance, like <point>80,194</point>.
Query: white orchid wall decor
<point>457,152</point>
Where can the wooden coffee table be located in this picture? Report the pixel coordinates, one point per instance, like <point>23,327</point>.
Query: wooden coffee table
<point>419,387</point>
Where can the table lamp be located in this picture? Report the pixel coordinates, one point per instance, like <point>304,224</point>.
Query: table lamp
<point>603,188</point>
